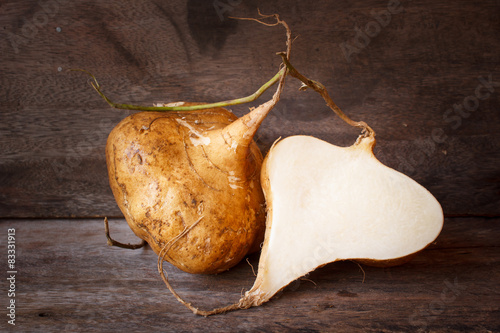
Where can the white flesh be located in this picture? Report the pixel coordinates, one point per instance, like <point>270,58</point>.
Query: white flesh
<point>328,203</point>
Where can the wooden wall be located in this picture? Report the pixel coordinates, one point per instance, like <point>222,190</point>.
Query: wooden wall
<point>424,74</point>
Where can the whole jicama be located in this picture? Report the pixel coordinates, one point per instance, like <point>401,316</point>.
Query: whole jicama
<point>170,170</point>
<point>188,180</point>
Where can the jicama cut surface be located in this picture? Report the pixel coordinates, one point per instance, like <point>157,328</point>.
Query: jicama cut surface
<point>328,203</point>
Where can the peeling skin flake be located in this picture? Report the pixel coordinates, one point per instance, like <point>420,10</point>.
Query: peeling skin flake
<point>233,180</point>
<point>234,145</point>
<point>231,144</point>
<point>199,139</point>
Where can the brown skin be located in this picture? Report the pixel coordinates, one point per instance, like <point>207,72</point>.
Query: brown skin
<point>164,181</point>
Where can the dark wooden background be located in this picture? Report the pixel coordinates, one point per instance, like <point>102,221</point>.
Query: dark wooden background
<point>413,76</point>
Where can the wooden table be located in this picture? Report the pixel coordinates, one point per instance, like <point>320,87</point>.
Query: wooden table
<point>424,74</point>
<point>69,280</point>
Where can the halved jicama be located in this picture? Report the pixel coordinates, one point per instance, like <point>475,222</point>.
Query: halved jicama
<point>327,203</point>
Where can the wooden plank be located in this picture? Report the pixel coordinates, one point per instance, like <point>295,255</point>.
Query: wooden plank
<point>405,81</point>
<point>68,279</point>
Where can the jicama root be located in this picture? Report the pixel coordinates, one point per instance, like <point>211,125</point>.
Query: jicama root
<point>194,163</point>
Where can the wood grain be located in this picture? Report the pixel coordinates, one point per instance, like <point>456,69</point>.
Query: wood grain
<point>404,81</point>
<point>69,280</point>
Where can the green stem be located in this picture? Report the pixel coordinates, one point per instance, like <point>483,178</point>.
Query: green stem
<point>236,101</point>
